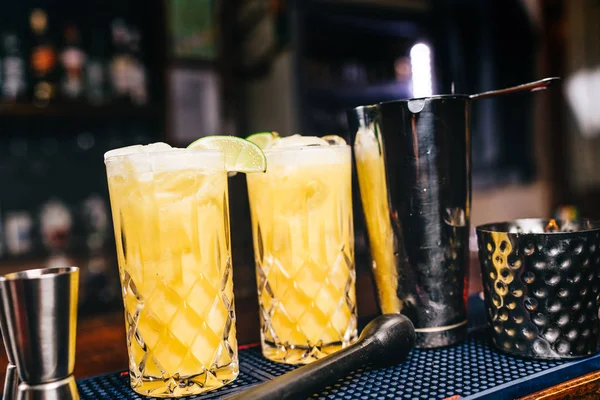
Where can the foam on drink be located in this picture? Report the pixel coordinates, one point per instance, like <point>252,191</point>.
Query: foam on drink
<point>296,150</point>
<point>141,162</point>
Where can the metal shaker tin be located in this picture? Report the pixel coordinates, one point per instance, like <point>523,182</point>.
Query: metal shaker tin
<point>413,164</point>
<point>541,283</point>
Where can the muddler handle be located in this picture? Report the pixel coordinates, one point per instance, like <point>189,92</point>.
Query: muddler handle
<point>386,340</point>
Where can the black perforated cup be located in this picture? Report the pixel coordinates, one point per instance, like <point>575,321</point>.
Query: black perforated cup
<point>541,281</point>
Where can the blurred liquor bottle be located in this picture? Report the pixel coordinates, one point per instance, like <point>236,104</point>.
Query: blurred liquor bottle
<point>95,215</point>
<point>43,59</point>
<point>97,66</point>
<point>122,60</point>
<point>138,92</point>
<point>73,59</point>
<point>56,223</point>
<point>53,210</point>
<point>48,166</point>
<point>18,232</point>
<point>100,278</point>
<point>17,201</point>
<point>13,78</point>
<point>13,74</point>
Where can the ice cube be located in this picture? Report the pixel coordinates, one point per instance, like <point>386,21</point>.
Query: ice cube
<point>334,140</point>
<point>178,159</point>
<point>366,143</point>
<point>299,141</point>
<point>123,151</point>
<point>135,149</point>
<point>153,147</point>
<point>315,192</point>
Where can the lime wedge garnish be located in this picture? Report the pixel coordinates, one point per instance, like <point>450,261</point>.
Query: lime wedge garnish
<point>334,140</point>
<point>264,140</point>
<point>240,154</point>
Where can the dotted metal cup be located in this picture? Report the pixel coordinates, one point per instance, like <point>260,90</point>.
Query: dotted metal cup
<point>541,282</point>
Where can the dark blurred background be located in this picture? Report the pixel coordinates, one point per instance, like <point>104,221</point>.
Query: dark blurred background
<point>78,78</point>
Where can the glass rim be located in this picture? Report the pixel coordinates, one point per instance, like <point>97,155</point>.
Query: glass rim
<point>164,153</point>
<point>304,148</point>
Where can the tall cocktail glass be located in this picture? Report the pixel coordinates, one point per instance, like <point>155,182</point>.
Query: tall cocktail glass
<point>171,221</point>
<point>302,228</point>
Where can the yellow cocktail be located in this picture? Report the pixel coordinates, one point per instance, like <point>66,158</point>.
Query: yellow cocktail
<point>302,227</point>
<point>171,220</point>
<point>370,165</point>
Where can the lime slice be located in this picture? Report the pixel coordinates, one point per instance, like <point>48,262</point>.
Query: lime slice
<point>264,140</point>
<point>240,154</point>
<point>334,140</point>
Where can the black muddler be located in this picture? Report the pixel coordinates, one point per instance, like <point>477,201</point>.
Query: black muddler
<point>385,341</point>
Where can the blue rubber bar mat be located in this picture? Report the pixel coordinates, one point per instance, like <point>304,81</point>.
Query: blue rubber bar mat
<point>471,370</point>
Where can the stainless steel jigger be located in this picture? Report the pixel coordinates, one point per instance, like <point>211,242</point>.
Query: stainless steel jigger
<point>40,307</point>
<point>11,382</point>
